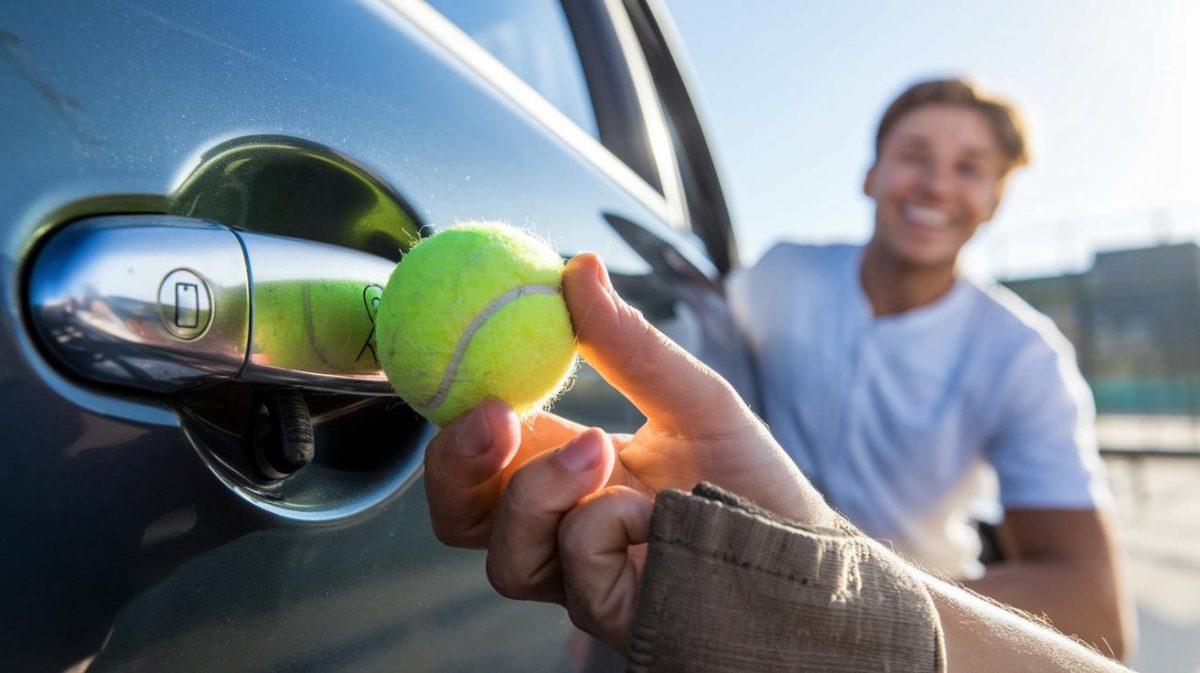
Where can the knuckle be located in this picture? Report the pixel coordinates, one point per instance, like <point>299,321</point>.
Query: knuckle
<point>469,537</point>
<point>579,616</point>
<point>518,494</point>
<point>643,340</point>
<point>435,473</point>
<point>572,537</point>
<point>502,579</point>
<point>445,534</point>
<point>496,576</point>
<point>443,526</point>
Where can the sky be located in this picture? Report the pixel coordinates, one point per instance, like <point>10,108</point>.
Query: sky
<point>791,93</point>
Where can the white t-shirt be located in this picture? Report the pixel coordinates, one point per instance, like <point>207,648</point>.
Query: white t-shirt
<point>894,418</point>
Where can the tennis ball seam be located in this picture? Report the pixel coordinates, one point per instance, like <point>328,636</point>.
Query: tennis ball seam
<point>443,390</point>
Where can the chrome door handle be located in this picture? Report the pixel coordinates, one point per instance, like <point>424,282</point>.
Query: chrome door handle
<point>166,303</point>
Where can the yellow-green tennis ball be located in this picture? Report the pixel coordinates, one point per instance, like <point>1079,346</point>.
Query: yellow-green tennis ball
<point>317,326</point>
<point>476,312</point>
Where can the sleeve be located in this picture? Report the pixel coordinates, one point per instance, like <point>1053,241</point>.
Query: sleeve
<point>1044,447</point>
<point>729,587</point>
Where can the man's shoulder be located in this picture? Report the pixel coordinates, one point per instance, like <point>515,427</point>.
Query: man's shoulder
<point>812,250</point>
<point>807,258</point>
<point>792,280</point>
<point>1008,321</point>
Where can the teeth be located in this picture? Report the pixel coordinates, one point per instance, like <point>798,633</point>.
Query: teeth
<point>928,217</point>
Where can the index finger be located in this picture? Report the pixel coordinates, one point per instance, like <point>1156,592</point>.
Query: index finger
<point>668,385</point>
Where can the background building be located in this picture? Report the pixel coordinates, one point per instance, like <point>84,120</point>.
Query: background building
<point>1134,318</point>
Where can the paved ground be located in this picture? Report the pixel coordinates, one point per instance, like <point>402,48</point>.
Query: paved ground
<point>1159,506</point>
<point>1155,433</point>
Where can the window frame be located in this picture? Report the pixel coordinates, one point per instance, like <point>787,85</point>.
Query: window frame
<point>648,161</point>
<point>631,121</point>
<point>705,204</point>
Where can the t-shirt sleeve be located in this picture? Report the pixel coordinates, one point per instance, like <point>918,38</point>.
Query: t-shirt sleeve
<point>1044,449</point>
<point>754,293</point>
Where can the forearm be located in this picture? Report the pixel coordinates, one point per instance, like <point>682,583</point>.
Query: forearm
<point>780,595</point>
<point>983,637</point>
<point>1080,601</point>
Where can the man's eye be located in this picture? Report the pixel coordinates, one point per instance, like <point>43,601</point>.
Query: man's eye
<point>969,170</point>
<point>912,158</point>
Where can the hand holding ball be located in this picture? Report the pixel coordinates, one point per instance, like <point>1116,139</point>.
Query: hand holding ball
<point>476,312</point>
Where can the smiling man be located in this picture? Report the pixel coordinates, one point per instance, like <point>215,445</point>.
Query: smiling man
<point>891,379</point>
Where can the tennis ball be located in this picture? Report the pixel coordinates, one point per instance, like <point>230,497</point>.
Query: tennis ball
<point>321,326</point>
<point>476,312</point>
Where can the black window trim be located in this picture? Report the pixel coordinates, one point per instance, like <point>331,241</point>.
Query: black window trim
<point>707,208</point>
<point>424,18</point>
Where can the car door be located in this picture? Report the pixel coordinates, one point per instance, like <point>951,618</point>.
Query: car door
<point>183,182</point>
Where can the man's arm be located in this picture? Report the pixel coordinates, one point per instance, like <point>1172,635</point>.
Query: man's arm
<point>779,595</point>
<point>982,637</point>
<point>1064,563</point>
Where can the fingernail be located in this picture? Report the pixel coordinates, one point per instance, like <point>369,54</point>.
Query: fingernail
<point>602,277</point>
<point>475,436</point>
<point>582,454</point>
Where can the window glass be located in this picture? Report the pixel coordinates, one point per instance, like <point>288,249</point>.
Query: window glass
<point>531,38</point>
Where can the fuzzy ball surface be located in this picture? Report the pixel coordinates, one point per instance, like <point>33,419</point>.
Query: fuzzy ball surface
<point>476,312</point>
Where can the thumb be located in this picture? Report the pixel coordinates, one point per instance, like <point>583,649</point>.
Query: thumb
<point>663,381</point>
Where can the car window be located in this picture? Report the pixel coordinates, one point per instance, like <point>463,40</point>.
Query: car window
<point>532,38</point>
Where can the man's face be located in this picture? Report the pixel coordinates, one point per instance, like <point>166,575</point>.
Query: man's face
<point>939,175</point>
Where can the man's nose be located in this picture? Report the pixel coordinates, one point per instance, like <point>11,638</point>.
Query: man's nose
<point>937,180</point>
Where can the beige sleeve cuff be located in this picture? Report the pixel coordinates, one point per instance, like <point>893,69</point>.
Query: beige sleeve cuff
<point>730,587</point>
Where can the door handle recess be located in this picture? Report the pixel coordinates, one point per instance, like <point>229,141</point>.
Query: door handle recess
<point>166,303</point>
